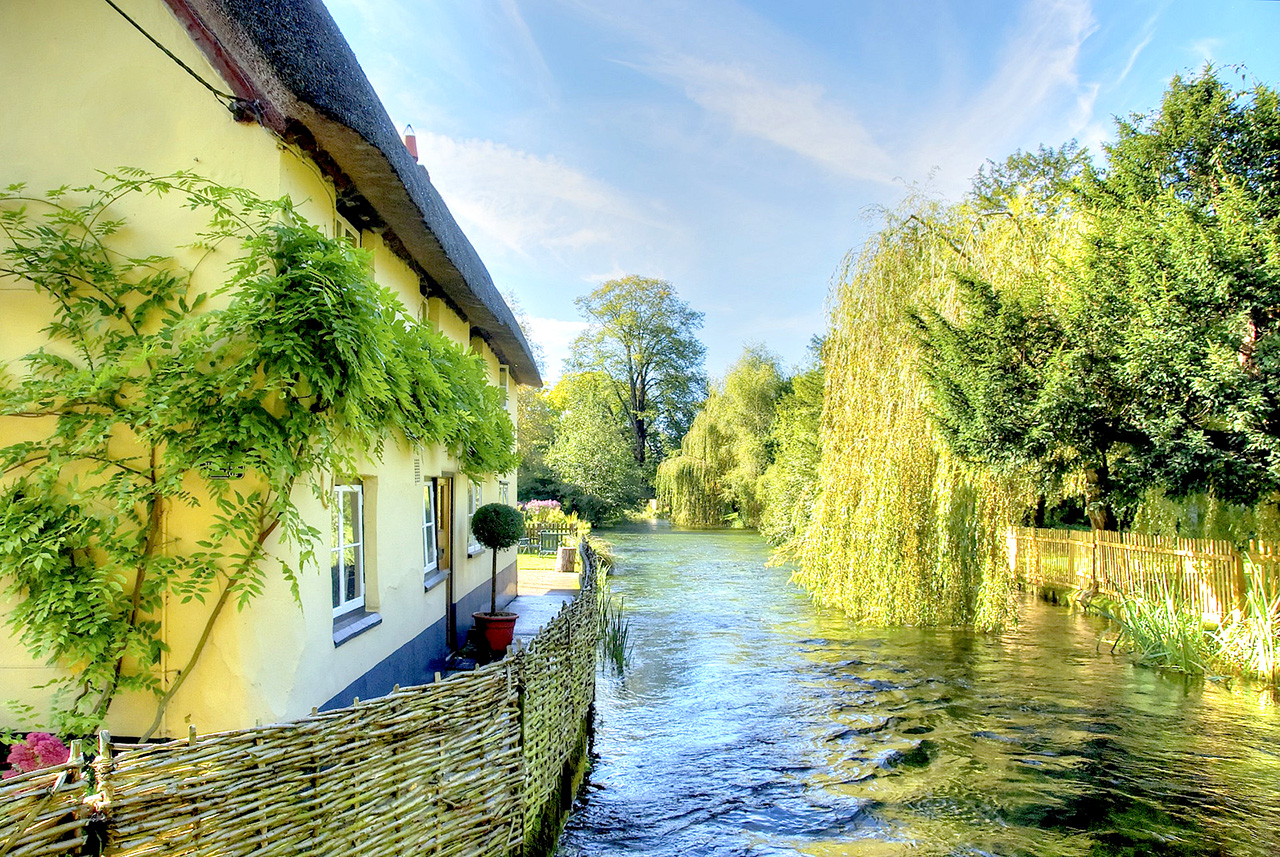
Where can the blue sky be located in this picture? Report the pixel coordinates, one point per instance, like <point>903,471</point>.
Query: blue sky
<point>741,149</point>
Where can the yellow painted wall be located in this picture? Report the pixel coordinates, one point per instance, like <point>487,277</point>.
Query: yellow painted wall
<point>83,91</point>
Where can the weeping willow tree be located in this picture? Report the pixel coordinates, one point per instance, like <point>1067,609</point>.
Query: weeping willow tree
<point>714,479</point>
<point>789,485</point>
<point>902,531</point>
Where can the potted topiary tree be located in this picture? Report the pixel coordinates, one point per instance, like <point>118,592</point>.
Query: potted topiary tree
<point>496,526</point>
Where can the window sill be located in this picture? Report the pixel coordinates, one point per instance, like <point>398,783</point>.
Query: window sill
<point>434,578</point>
<point>475,550</point>
<point>351,625</point>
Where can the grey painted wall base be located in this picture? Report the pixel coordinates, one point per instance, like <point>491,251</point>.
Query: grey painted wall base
<point>417,661</point>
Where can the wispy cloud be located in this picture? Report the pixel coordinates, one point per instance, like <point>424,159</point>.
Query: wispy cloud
<point>524,202</point>
<point>797,117</point>
<point>1036,78</point>
<point>1206,50</point>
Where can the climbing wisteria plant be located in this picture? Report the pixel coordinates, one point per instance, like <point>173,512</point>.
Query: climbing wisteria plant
<point>152,393</point>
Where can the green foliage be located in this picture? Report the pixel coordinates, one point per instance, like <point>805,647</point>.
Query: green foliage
<point>150,396</point>
<point>1159,633</point>
<point>592,454</point>
<point>1248,642</point>
<point>537,419</point>
<point>615,632</point>
<point>641,337</point>
<point>497,525</point>
<point>902,530</point>
<point>1185,264</point>
<point>714,478</point>
<point>1147,358</point>
<point>789,485</point>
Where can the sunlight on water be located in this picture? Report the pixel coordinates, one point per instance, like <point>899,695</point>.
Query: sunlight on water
<point>752,724</point>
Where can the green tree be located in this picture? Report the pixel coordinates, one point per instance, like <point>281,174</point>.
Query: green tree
<point>714,478</point>
<point>788,487</point>
<point>537,418</point>
<point>642,338</point>
<point>592,453</point>
<point>1185,269</point>
<point>1146,361</point>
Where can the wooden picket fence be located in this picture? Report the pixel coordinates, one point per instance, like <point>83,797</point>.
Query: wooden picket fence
<point>1211,576</point>
<point>458,768</point>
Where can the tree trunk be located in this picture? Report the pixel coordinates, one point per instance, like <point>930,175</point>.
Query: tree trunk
<point>1097,504</point>
<point>642,439</point>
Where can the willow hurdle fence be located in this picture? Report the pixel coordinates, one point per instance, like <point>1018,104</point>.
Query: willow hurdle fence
<point>1211,576</point>
<point>473,765</point>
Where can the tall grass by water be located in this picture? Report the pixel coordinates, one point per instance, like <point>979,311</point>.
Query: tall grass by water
<point>1164,633</point>
<point>1249,642</point>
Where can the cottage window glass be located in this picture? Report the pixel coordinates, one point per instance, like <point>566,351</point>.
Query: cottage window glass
<point>347,548</point>
<point>475,499</point>
<point>430,551</point>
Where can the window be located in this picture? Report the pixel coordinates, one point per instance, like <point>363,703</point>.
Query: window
<point>475,499</point>
<point>347,548</point>
<point>430,548</point>
<point>344,231</point>
<point>504,494</point>
<point>504,381</point>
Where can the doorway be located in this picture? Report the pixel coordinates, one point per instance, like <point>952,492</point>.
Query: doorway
<point>444,536</point>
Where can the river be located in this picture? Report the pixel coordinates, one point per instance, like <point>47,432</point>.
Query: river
<point>752,723</point>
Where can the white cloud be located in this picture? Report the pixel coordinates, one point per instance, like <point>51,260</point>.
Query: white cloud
<point>554,335</point>
<point>1035,86</point>
<point>525,202</point>
<point>798,117</point>
<point>1206,50</point>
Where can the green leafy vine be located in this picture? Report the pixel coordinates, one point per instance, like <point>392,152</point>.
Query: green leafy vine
<point>151,393</point>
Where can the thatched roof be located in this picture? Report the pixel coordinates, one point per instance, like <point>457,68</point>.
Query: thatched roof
<point>289,57</point>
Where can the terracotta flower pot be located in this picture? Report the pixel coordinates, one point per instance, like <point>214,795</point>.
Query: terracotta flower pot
<point>496,628</point>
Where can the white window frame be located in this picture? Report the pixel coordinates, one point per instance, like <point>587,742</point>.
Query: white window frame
<point>475,499</point>
<point>339,546</point>
<point>504,382</point>
<point>430,538</point>
<point>504,493</point>
<point>343,230</point>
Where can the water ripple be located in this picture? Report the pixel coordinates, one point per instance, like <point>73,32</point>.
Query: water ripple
<point>753,724</point>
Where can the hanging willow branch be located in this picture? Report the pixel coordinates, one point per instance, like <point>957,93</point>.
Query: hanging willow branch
<point>902,532</point>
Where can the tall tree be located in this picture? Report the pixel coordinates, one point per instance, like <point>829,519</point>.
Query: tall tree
<point>788,487</point>
<point>1147,359</point>
<point>537,419</point>
<point>642,337</point>
<point>591,453</point>
<point>1186,251</point>
<point>714,478</point>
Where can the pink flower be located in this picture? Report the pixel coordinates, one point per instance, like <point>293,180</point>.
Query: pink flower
<point>40,750</point>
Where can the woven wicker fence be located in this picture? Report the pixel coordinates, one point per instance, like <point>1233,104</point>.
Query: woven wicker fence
<point>1211,576</point>
<point>452,769</point>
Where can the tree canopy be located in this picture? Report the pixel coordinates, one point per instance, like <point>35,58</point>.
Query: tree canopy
<point>1146,359</point>
<point>713,480</point>
<point>591,453</point>
<point>641,337</point>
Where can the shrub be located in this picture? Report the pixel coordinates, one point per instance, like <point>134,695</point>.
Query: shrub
<point>497,526</point>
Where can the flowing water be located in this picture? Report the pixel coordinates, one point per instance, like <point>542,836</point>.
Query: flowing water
<point>752,723</point>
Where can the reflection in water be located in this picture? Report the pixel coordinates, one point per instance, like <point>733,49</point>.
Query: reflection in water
<point>752,723</point>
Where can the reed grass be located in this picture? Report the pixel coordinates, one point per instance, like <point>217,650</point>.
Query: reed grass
<point>615,634</point>
<point>1248,642</point>
<point>1160,633</point>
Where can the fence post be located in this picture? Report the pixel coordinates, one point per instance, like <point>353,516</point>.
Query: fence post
<point>1093,562</point>
<point>1240,584</point>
